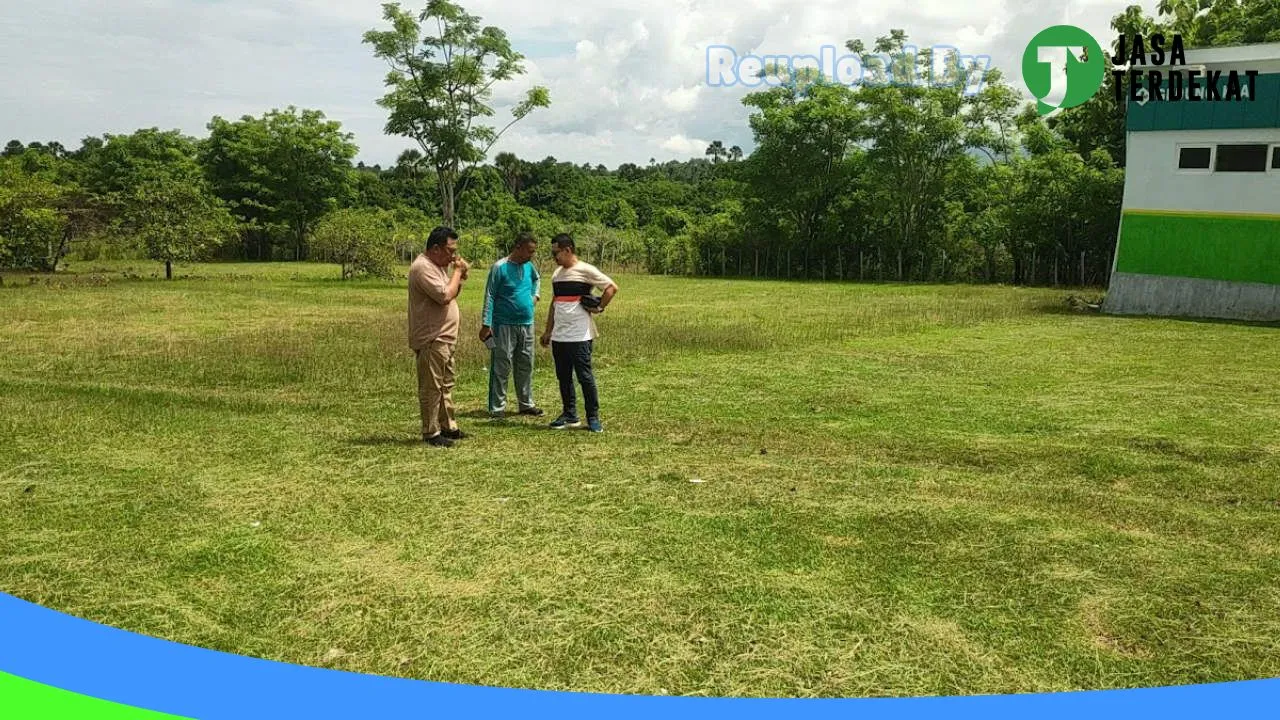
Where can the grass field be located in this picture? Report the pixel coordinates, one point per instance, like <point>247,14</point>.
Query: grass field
<point>904,490</point>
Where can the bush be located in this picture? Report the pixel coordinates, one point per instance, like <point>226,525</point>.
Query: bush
<point>362,241</point>
<point>33,231</point>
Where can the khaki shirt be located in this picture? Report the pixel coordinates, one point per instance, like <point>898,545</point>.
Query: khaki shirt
<point>430,317</point>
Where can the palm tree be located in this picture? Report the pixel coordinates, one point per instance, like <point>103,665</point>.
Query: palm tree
<point>512,169</point>
<point>412,163</point>
<point>717,151</point>
<point>735,153</point>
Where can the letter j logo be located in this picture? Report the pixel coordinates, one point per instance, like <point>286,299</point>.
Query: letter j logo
<point>1063,67</point>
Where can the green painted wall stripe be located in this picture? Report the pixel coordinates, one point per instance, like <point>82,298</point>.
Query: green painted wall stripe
<point>1236,248</point>
<point>30,700</point>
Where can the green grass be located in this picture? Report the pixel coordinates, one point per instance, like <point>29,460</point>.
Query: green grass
<point>906,489</point>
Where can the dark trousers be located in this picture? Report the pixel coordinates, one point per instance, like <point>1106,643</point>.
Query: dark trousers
<point>574,357</point>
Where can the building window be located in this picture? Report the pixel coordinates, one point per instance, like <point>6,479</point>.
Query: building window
<point>1241,158</point>
<point>1194,158</point>
<point>1275,158</point>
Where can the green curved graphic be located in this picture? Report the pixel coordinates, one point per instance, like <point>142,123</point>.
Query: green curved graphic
<point>1084,68</point>
<point>26,700</point>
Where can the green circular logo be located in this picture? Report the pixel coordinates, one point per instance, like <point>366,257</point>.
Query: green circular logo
<point>1063,67</point>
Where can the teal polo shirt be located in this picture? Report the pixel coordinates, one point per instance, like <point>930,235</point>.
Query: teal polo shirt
<point>509,293</point>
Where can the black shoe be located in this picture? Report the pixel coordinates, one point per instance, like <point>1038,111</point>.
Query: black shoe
<point>533,412</point>
<point>564,422</point>
<point>455,434</point>
<point>439,441</point>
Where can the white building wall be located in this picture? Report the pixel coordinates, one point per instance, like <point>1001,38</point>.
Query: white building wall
<point>1154,182</point>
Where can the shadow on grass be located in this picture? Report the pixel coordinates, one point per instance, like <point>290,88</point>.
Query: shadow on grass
<point>1067,308</point>
<point>1272,324</point>
<point>510,424</point>
<point>387,441</point>
<point>511,418</point>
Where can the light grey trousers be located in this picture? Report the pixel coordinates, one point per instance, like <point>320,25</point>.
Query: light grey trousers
<point>513,349</point>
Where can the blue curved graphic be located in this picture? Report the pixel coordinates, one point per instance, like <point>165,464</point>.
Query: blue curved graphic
<point>75,655</point>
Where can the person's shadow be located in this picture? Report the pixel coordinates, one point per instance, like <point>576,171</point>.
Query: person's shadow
<point>512,422</point>
<point>387,441</point>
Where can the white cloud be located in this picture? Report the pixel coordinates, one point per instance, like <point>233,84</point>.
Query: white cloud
<point>683,99</point>
<point>627,78</point>
<point>681,145</point>
<point>586,50</point>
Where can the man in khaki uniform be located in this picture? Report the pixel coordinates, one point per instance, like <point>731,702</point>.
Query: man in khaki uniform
<point>433,332</point>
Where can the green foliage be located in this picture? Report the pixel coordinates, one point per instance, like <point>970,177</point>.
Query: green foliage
<point>608,247</point>
<point>120,163</point>
<point>279,174</point>
<point>1210,23</point>
<point>363,241</point>
<point>621,215</point>
<point>915,181</point>
<point>369,189</point>
<point>29,224</point>
<point>481,246</point>
<point>947,180</point>
<point>514,218</point>
<point>439,86</point>
<point>174,221</point>
<point>36,211</point>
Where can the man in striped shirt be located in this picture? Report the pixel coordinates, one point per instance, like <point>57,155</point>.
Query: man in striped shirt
<point>571,330</point>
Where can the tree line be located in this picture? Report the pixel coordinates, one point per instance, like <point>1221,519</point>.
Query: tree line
<point>900,181</point>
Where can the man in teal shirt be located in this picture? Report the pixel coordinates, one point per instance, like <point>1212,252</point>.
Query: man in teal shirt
<point>509,297</point>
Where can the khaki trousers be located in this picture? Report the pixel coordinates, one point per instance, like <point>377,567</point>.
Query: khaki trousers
<point>435,388</point>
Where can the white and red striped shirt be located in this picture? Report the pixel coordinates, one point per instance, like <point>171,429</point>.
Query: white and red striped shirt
<point>572,321</point>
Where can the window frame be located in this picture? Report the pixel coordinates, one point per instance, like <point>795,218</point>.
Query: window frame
<point>1177,158</point>
<point>1266,162</point>
<point>1272,164</point>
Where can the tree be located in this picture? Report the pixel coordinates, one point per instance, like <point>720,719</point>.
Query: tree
<point>362,241</point>
<point>620,215</point>
<point>1210,23</point>
<point>408,180</point>
<point>439,87</point>
<point>175,221</point>
<point>42,209</point>
<point>122,163</point>
<point>735,153</point>
<point>33,230</point>
<point>369,188</point>
<point>920,135</point>
<point>512,169</point>
<point>280,174</point>
<point>716,151</point>
<point>14,148</point>
<point>804,135</point>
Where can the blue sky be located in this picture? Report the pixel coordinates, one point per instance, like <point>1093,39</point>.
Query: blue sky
<point>627,78</point>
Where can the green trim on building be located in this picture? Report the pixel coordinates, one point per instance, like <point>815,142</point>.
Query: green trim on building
<point>1211,246</point>
<point>1263,111</point>
<point>30,700</point>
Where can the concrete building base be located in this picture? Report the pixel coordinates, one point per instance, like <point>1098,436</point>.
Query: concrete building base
<point>1135,294</point>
